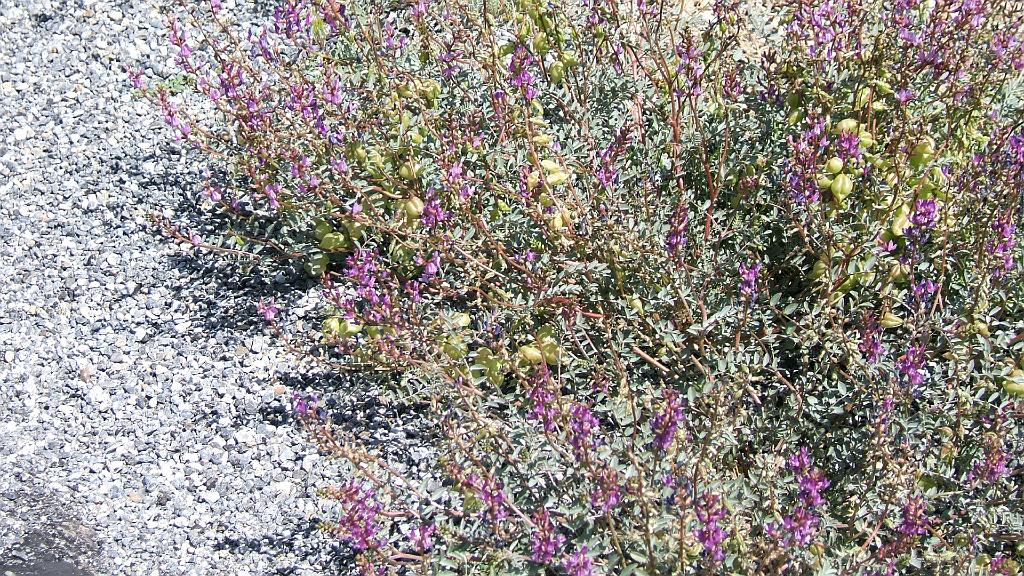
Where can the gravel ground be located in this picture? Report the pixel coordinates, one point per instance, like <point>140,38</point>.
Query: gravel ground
<point>143,420</point>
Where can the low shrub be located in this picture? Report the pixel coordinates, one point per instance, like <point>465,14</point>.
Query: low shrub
<point>726,289</point>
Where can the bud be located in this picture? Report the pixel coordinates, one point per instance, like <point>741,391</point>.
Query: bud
<point>890,320</point>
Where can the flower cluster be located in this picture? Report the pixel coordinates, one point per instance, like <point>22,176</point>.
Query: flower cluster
<point>802,165</point>
<point>710,512</point>
<point>545,540</point>
<point>666,422</point>
<point>358,519</point>
<point>491,492</point>
<point>799,527</point>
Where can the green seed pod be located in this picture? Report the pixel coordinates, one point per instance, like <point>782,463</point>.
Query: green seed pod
<point>413,208</point>
<point>332,327</point>
<point>846,125</point>
<point>557,72</point>
<point>540,43</point>
<point>834,165</point>
<point>890,320</point>
<point>531,354</point>
<point>408,170</point>
<point>842,186</point>
<point>1013,384</point>
<point>818,270</point>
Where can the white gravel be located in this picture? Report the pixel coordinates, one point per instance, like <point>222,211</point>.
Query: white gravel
<point>143,427</point>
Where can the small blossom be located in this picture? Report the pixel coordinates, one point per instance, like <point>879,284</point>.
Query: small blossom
<point>676,238</point>
<point>811,480</point>
<point>422,537</point>
<point>666,421</point>
<point>271,191</point>
<point>579,563</point>
<point>914,520</point>
<point>304,406</point>
<point>796,529</point>
<point>542,395</point>
<point>802,167</point>
<point>710,511</point>
<point>992,466</point>
<point>924,215</point>
<point>491,492</point>
<point>871,339</point>
<point>581,428</point>
<point>268,309</point>
<point>608,494</point>
<point>848,146</point>
<point>357,524</point>
<point>905,95</point>
<point>545,540</point>
<point>911,365</point>
<point>748,279</point>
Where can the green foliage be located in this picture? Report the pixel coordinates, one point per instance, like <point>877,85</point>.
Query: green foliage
<point>686,292</point>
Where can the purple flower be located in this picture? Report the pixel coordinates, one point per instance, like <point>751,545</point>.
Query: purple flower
<point>709,511</point>
<point>520,76</point>
<point>802,166</point>
<point>545,540</point>
<point>581,428</point>
<point>543,398</point>
<point>304,405</point>
<point>799,526</point>
<point>271,191</point>
<point>1002,566</point>
<point>666,421</point>
<point>914,521</point>
<point>924,215</point>
<point>992,466</point>
<point>357,524</point>
<point>213,193</point>
<point>291,18</point>
<point>924,289</point>
<point>811,480</point>
<point>492,493</point>
<point>607,495</point>
<point>422,537</point>
<point>1002,248</point>
<point>676,238</point>
<point>911,365</point>
<point>371,279</point>
<point>431,267</point>
<point>433,213</point>
<point>822,28</point>
<point>905,95</point>
<point>690,69</point>
<point>339,165</point>
<point>748,279</point>
<point>135,76</point>
<point>268,309</point>
<point>796,529</point>
<point>579,563</point>
<point>848,146</point>
<point>871,339</point>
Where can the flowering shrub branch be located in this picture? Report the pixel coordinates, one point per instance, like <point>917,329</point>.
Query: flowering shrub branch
<point>684,295</point>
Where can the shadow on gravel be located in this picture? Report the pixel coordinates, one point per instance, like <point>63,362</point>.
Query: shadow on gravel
<point>227,294</point>
<point>225,288</point>
<point>305,540</point>
<point>56,544</point>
